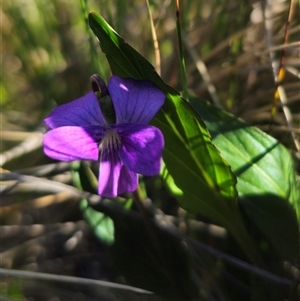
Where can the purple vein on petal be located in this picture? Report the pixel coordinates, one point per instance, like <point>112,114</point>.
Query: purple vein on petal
<point>70,143</point>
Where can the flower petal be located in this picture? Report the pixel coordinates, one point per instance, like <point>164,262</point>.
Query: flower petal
<point>134,101</point>
<point>70,143</point>
<point>80,112</point>
<point>142,148</point>
<point>114,177</point>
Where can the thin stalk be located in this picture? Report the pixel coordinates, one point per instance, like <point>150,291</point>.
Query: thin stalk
<point>181,56</point>
<point>94,56</point>
<point>155,41</point>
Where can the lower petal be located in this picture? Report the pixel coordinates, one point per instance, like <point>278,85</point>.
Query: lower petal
<point>114,177</point>
<point>142,148</point>
<point>69,143</point>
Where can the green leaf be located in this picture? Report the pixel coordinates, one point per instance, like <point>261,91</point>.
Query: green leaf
<point>167,178</point>
<point>188,146</point>
<point>267,184</point>
<point>198,170</point>
<point>102,225</point>
<point>276,220</point>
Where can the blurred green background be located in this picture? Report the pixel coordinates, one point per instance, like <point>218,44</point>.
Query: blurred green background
<point>47,54</point>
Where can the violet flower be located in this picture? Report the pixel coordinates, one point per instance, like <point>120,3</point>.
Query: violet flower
<point>79,131</point>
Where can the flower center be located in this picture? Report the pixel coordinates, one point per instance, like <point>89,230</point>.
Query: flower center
<point>111,142</point>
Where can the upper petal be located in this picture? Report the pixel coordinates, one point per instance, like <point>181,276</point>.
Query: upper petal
<point>142,148</point>
<point>80,112</point>
<point>70,143</point>
<point>114,177</point>
<point>135,101</point>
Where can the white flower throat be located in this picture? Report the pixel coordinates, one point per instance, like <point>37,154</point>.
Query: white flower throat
<point>111,142</point>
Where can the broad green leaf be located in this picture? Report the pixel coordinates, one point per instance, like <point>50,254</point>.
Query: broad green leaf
<point>186,136</point>
<point>167,178</point>
<point>198,170</point>
<point>277,221</point>
<point>102,225</point>
<point>267,183</point>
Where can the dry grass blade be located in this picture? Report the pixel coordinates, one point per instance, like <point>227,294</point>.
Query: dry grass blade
<point>155,41</point>
<point>30,144</point>
<point>41,202</point>
<point>278,71</point>
<point>69,279</point>
<point>204,72</point>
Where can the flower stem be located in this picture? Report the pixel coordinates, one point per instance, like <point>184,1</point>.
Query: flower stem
<point>181,56</point>
<point>94,55</point>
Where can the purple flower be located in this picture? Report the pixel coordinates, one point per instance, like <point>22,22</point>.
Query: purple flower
<point>79,131</point>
